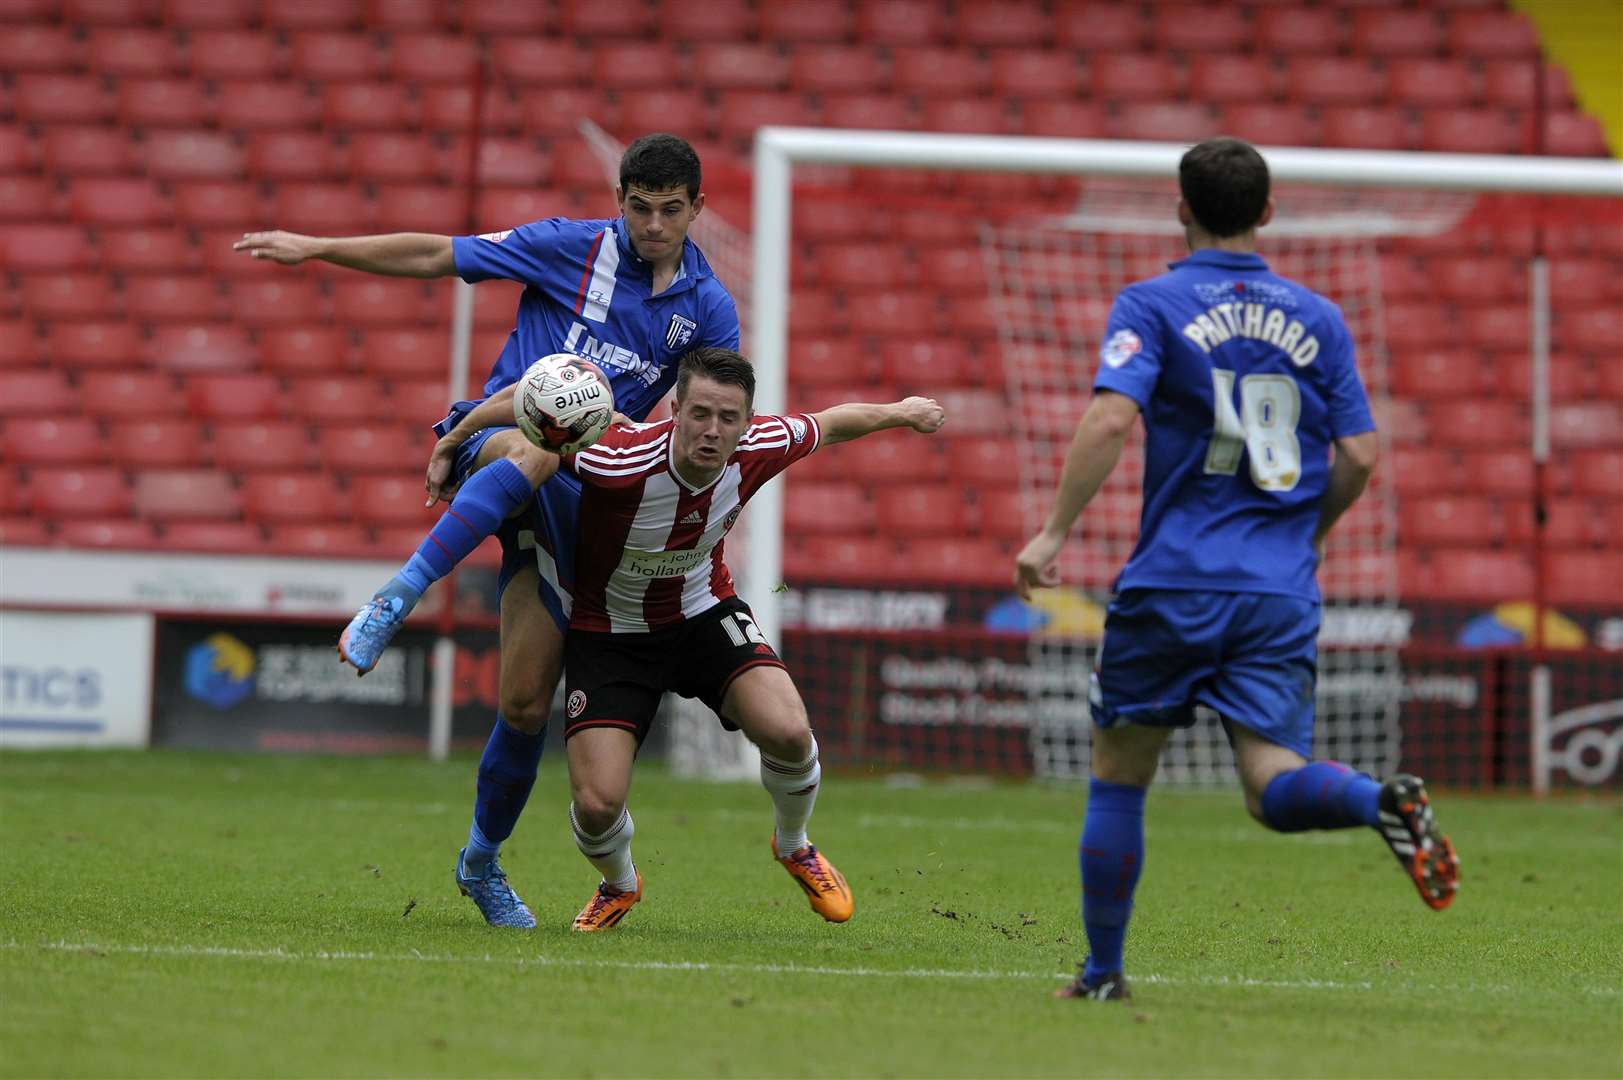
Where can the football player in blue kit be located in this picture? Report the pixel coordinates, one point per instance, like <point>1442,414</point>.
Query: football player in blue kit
<point>631,294</point>
<point>1245,382</point>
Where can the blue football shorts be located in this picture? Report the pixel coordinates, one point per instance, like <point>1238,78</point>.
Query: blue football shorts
<point>1251,657</point>
<point>541,535</point>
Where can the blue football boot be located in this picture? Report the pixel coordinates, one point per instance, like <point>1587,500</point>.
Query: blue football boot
<point>496,900</point>
<point>370,632</point>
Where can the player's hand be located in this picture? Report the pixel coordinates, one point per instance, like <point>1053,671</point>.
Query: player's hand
<point>440,463</point>
<point>1037,566</point>
<point>287,248</point>
<point>620,419</point>
<point>923,414</point>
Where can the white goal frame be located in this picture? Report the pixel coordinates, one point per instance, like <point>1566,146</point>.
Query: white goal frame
<point>778,150</point>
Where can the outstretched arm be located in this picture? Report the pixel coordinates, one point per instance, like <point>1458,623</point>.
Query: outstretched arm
<point>420,255</point>
<point>1095,449</point>
<point>1355,461</point>
<point>853,420</point>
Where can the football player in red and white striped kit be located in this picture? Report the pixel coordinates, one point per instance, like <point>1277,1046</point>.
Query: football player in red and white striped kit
<point>654,610</point>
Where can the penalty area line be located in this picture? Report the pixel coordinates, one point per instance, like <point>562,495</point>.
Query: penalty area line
<point>322,956</point>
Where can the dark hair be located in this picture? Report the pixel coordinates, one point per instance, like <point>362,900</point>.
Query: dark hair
<point>1225,182</point>
<point>718,365</point>
<point>661,162</point>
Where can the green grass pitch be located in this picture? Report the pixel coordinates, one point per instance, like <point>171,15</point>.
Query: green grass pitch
<point>172,914</point>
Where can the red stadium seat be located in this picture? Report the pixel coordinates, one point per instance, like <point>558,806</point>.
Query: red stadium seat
<point>1503,326</point>
<point>27,248</point>
<point>1588,423</point>
<point>28,198</point>
<point>1222,77</point>
<point>235,54</point>
<point>495,303</point>
<point>1442,520</point>
<point>865,559</point>
<point>829,362</point>
<point>903,510</point>
<point>252,446</point>
<point>417,401</point>
<point>1100,27</point>
<point>1441,373</point>
<point>393,156</point>
<point>1597,473</point>
<point>55,99</point>
<point>373,447</point>
<point>35,47</point>
<point>334,399</point>
<point>984,462</point>
<point>741,112</point>
<point>1476,279</point>
<point>158,442</point>
<point>1478,423</point>
<point>66,491</point>
<point>324,57</point>
<point>277,497</point>
<point>836,509</point>
<point>19,150</point>
<point>226,536</point>
<point>450,108</point>
<point>324,209</point>
<point>537,61</point>
<point>180,494</point>
<point>1574,134</point>
<point>1177,121</point>
<point>132,51</point>
<point>512,162</point>
<point>51,440</point>
<point>198,14</point>
<point>1609,380</point>
<point>110,12</point>
<point>86,151</point>
<point>409,353</point>
<point>891,457</point>
<point>1471,575</point>
<point>314,14</point>
<point>395,15</point>
<point>624,66</point>
<point>1568,523</point>
<point>882,112</point>
<point>1431,83</point>
<point>290,300</point>
<point>292,155</point>
<point>321,541</point>
<point>501,208</point>
<point>203,347</point>
<point>1366,127</point>
<point>1396,32</point>
<point>900,23</point>
<point>1333,80</point>
<point>192,155</point>
<point>1472,131</point>
<point>158,103</point>
<point>1026,74</point>
<point>24,532</point>
<point>1134,76</point>
<point>119,533</point>
<point>1586,579</point>
<point>1503,472</point>
<point>1009,514</point>
<point>193,298</point>
<point>19,344</point>
<point>383,302</point>
<point>142,250</point>
<point>739,66</point>
<point>1269,124</point>
<point>128,395</point>
<point>220,204</point>
<point>266,106</point>
<point>1416,326</point>
<point>233,397</point>
<point>969,116</point>
<point>1200,27</point>
<point>420,208</point>
<point>955,560</point>
<point>899,313</point>
<point>430,58</point>
<point>1424,470</point>
<point>1480,35</point>
<point>840,69</point>
<point>719,20</point>
<point>1016,23</point>
<point>68,296</point>
<point>117,201</point>
<point>295,350</point>
<point>1569,379</point>
<point>392,500</point>
<point>1065,119</point>
<point>1513,83</point>
<point>792,21</point>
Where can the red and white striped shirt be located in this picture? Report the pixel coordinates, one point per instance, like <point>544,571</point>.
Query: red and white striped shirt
<point>649,553</point>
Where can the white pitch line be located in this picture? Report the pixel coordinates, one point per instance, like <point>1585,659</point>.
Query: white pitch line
<point>414,957</point>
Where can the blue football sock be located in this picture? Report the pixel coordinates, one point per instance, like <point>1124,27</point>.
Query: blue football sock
<point>1112,856</point>
<point>478,510</point>
<point>1320,795</point>
<point>506,775</point>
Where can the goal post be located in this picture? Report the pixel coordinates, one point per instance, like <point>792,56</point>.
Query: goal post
<point>1074,264</point>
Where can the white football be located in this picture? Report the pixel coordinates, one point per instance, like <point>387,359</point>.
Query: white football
<point>563,403</point>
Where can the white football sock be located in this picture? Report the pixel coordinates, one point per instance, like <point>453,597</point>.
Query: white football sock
<point>610,852</point>
<point>793,787</point>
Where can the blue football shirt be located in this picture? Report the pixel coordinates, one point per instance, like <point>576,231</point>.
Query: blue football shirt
<point>588,292</point>
<point>1245,379</point>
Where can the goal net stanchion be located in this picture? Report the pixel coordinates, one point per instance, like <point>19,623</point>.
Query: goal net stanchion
<point>1052,285</point>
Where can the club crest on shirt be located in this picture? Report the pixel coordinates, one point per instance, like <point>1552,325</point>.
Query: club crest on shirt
<point>732,516</point>
<point>679,332</point>
<point>496,237</point>
<point>797,428</point>
<point>576,703</point>
<point>1122,347</point>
